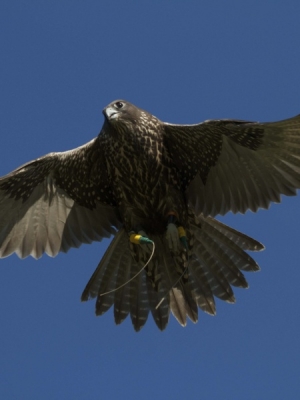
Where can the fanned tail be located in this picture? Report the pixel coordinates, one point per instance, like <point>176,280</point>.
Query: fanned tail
<point>180,282</point>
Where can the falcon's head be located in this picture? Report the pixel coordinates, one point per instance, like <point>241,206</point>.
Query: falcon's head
<point>121,112</point>
<point>124,118</point>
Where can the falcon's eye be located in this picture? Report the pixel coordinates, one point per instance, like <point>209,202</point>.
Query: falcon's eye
<point>119,104</point>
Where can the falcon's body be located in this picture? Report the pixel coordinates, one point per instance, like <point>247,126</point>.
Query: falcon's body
<point>144,176</point>
<point>144,180</point>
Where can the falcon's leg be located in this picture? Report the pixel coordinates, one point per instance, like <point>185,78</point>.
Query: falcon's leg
<point>137,233</point>
<point>144,254</point>
<point>139,236</point>
<point>175,235</point>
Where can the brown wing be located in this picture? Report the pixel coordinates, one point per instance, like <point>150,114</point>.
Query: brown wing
<point>230,165</point>
<point>56,202</point>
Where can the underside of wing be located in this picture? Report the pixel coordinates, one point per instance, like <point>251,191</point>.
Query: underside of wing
<point>235,165</point>
<point>56,202</point>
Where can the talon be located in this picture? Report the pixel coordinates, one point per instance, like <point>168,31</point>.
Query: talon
<point>175,233</point>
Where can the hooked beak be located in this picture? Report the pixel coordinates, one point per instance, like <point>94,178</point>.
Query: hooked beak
<point>110,113</point>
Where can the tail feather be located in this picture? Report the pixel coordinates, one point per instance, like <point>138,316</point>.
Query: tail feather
<point>162,313</point>
<point>217,280</point>
<point>105,265</point>
<point>139,304</point>
<point>230,242</point>
<point>155,282</point>
<point>216,256</point>
<point>122,295</point>
<point>169,278</point>
<point>240,239</point>
<point>191,307</point>
<point>182,303</point>
<point>177,304</point>
<point>202,290</point>
<point>106,294</point>
<point>232,274</point>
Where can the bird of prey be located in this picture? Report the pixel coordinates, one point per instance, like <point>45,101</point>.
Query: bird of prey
<point>156,187</point>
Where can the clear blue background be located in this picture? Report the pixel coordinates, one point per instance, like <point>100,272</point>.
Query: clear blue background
<point>61,62</point>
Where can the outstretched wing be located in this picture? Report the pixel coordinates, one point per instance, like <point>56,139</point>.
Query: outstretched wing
<point>56,202</point>
<point>231,165</point>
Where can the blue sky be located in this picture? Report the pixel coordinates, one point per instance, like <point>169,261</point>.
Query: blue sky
<point>61,63</point>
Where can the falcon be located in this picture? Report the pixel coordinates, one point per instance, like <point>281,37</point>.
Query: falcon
<point>156,188</point>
